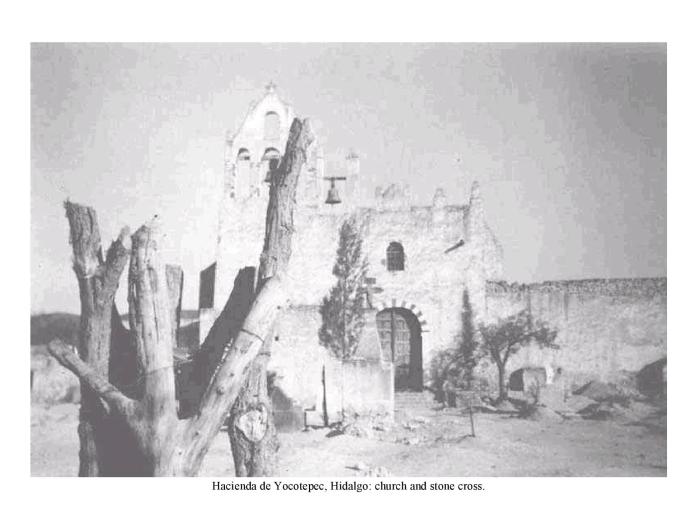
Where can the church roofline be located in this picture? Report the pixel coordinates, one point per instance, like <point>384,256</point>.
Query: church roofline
<point>270,93</point>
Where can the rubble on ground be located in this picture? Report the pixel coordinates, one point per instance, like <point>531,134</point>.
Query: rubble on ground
<point>366,425</point>
<point>359,466</point>
<point>485,407</point>
<point>608,410</point>
<point>595,400</point>
<point>605,392</point>
<point>378,471</point>
<point>359,428</point>
<point>368,471</point>
<point>652,379</point>
<point>578,402</point>
<point>506,406</point>
<point>540,413</point>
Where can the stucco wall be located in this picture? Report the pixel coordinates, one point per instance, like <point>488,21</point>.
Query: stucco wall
<point>606,326</point>
<point>297,360</point>
<point>431,285</point>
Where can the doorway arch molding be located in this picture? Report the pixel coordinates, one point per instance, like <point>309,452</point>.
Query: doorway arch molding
<point>383,305</point>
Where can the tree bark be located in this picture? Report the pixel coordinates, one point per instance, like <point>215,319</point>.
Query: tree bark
<point>502,389</point>
<point>251,430</point>
<point>256,455</point>
<point>224,329</point>
<point>142,405</point>
<point>97,283</point>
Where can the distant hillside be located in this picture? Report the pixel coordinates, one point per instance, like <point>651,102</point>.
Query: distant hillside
<point>65,326</point>
<point>45,327</point>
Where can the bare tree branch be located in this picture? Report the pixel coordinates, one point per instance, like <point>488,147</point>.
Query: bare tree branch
<point>84,238</point>
<point>117,257</point>
<point>231,373</point>
<point>282,197</point>
<point>97,283</point>
<point>66,356</point>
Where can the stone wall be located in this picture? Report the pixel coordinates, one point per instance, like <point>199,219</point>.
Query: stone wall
<point>606,326</point>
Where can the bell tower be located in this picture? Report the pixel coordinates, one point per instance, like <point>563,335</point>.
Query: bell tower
<point>255,148</point>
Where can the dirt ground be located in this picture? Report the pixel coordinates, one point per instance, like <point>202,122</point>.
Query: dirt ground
<point>427,442</point>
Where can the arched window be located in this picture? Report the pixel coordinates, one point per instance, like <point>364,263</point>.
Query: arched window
<point>272,126</point>
<point>395,257</point>
<point>243,154</point>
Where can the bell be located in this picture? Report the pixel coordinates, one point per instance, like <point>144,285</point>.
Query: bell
<point>333,196</point>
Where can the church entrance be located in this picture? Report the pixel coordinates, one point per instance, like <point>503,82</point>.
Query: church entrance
<point>401,340</point>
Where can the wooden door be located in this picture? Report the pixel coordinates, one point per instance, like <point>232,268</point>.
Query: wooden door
<point>399,343</point>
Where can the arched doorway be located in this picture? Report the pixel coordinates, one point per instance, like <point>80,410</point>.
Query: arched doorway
<point>401,340</point>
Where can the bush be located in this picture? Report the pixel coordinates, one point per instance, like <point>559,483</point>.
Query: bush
<point>449,371</point>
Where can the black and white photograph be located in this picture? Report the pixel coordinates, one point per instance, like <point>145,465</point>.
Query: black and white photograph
<point>348,260</point>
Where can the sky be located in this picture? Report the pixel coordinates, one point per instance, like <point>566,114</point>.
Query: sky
<point>568,142</point>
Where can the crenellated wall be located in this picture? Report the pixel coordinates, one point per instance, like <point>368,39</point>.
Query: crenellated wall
<point>606,326</point>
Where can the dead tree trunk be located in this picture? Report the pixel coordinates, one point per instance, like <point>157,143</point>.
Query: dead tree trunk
<point>224,329</point>
<point>97,282</point>
<point>159,443</point>
<point>251,430</point>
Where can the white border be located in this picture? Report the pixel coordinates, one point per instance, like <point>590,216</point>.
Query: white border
<point>528,501</point>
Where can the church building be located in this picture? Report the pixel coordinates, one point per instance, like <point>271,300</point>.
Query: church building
<point>423,261</point>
